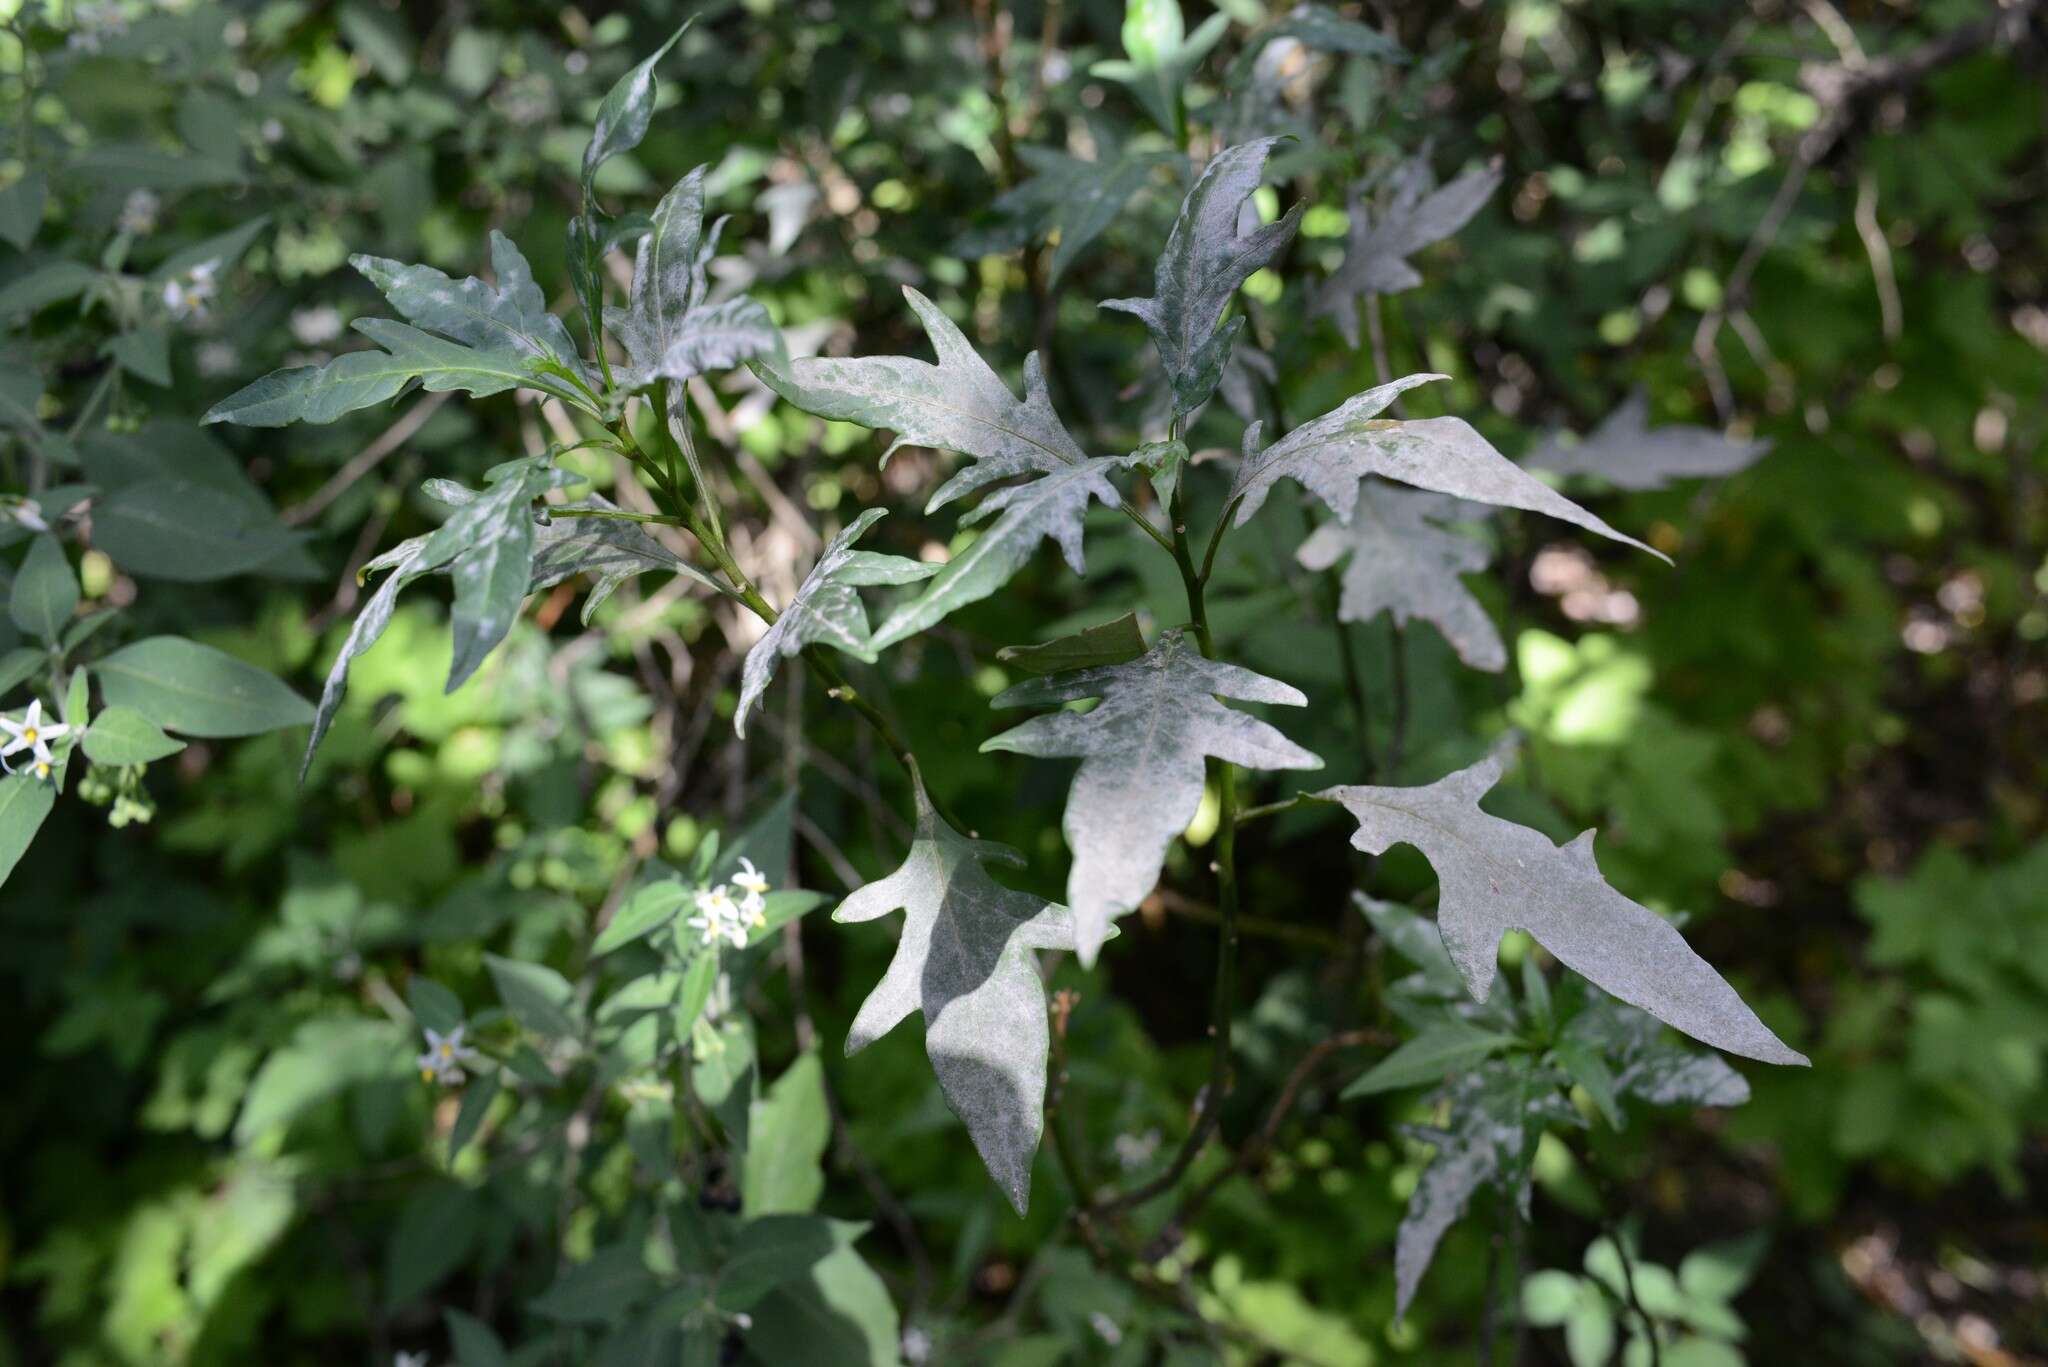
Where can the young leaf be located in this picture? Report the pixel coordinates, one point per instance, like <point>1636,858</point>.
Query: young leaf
<point>512,313</point>
<point>1628,453</point>
<point>965,960</point>
<point>492,572</point>
<point>960,405</point>
<point>1378,245</point>
<point>1111,643</point>
<point>1403,563</point>
<point>668,328</point>
<point>1497,876</point>
<point>194,689</point>
<point>1142,763</point>
<point>1330,455</point>
<point>826,609</point>
<point>1205,261</point>
<point>1160,56</point>
<point>627,110</point>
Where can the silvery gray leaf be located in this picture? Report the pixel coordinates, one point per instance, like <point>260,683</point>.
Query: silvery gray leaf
<point>1628,453</point>
<point>512,313</point>
<point>1496,876</point>
<point>610,550</point>
<point>668,327</point>
<point>958,404</point>
<point>961,405</point>
<point>1498,1112</point>
<point>1142,763</point>
<point>826,609</point>
<point>1378,243</point>
<point>1330,455</point>
<point>965,961</point>
<point>1404,563</point>
<point>1651,1065</point>
<point>406,561</point>
<point>1205,261</point>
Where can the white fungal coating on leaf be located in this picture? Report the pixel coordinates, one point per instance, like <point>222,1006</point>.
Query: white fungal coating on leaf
<point>1142,754</point>
<point>1402,562</point>
<point>1497,876</point>
<point>1628,453</point>
<point>965,961</point>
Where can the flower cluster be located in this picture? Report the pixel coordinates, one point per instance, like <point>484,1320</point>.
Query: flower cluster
<point>190,295</point>
<point>34,735</point>
<point>444,1056</point>
<point>719,917</point>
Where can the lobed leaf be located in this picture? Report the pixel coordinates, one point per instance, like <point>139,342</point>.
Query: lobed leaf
<point>1625,451</point>
<point>965,960</point>
<point>826,609</point>
<point>1378,243</point>
<point>512,314</point>
<point>1497,876</point>
<point>1332,454</point>
<point>1205,261</point>
<point>1403,563</point>
<point>1143,758</point>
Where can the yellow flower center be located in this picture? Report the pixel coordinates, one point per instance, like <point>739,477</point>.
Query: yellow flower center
<point>426,1075</point>
<point>447,1051</point>
<point>42,771</point>
<point>29,734</point>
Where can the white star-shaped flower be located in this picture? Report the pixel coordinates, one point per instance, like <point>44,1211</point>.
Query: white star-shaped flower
<point>34,735</point>
<point>444,1056</point>
<point>717,918</point>
<point>754,906</point>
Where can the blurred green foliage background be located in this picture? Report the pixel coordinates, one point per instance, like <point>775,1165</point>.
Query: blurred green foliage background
<point>1822,734</point>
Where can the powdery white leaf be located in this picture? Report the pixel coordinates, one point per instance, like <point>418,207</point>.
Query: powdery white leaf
<point>625,113</point>
<point>1649,1064</point>
<point>965,961</point>
<point>406,562</point>
<point>1332,454</point>
<point>611,550</point>
<point>1142,755</point>
<point>1205,261</point>
<point>959,404</point>
<point>1628,453</point>
<point>1052,505</point>
<point>513,313</point>
<point>1378,243</point>
<point>826,609</point>
<point>1497,876</point>
<point>668,327</point>
<point>1403,563</point>
<point>1497,1114</point>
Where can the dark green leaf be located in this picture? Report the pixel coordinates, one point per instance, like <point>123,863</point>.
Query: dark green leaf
<point>172,528</point>
<point>25,802</point>
<point>45,591</point>
<point>21,208</point>
<point>775,1249</point>
<point>598,1290</point>
<point>121,735</point>
<point>197,690</point>
<point>1111,643</point>
<point>538,997</point>
<point>435,1233</point>
<point>1451,1046</point>
<point>469,1117</point>
<point>434,1007</point>
<point>647,910</point>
